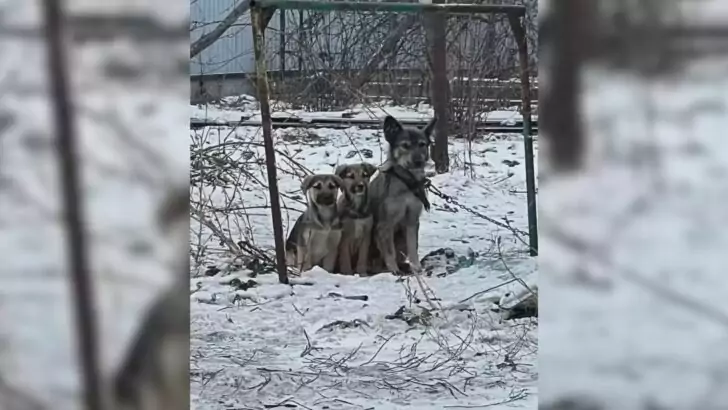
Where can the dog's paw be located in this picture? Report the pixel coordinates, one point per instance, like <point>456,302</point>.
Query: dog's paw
<point>415,267</point>
<point>404,269</point>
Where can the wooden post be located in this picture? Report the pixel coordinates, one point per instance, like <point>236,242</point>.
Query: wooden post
<point>520,33</point>
<point>282,41</point>
<point>260,18</point>
<point>569,24</point>
<point>437,29</point>
<point>301,42</point>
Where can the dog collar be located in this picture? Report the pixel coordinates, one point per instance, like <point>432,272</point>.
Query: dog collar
<point>415,186</point>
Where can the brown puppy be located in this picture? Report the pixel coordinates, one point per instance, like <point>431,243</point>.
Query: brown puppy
<point>356,217</point>
<point>314,239</point>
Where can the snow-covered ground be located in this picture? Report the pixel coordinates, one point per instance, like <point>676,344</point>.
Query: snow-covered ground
<point>339,342</point>
<point>368,111</point>
<point>632,264</point>
<point>132,148</point>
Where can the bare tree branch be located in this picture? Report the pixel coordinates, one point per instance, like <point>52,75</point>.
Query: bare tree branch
<point>389,45</point>
<point>210,38</point>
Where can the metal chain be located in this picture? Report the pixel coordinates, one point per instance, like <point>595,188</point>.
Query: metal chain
<point>451,200</point>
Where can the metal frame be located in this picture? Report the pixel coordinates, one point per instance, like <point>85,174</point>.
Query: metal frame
<point>393,7</point>
<point>262,12</point>
<point>73,209</point>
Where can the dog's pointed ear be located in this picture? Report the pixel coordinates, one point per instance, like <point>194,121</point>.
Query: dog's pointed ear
<point>338,181</point>
<point>369,168</point>
<point>306,183</point>
<point>430,128</point>
<point>340,170</point>
<point>392,128</point>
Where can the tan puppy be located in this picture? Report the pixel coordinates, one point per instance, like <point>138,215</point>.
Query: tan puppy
<point>356,217</point>
<point>314,238</point>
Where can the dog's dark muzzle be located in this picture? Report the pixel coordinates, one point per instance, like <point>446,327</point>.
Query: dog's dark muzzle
<point>326,199</point>
<point>359,188</point>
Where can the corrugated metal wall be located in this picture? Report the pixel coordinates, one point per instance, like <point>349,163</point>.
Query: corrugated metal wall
<point>233,52</point>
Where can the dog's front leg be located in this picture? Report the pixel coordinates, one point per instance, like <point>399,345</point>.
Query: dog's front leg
<point>385,244</point>
<point>345,256</point>
<point>303,257</point>
<point>333,242</point>
<point>362,257</point>
<point>411,233</point>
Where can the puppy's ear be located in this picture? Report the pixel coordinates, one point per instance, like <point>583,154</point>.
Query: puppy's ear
<point>341,170</point>
<point>338,181</point>
<point>306,183</point>
<point>369,168</point>
<point>392,128</point>
<point>430,128</point>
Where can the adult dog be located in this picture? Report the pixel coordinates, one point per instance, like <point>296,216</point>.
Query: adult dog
<point>314,238</point>
<point>397,193</point>
<point>356,217</point>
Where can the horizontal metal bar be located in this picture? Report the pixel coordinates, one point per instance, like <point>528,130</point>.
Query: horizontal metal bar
<point>390,7</point>
<point>483,126</point>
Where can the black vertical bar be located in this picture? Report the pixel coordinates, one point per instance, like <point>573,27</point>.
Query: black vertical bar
<point>73,212</point>
<point>282,40</point>
<point>259,22</point>
<point>520,34</point>
<point>301,39</point>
